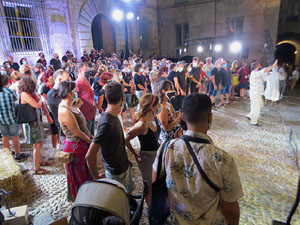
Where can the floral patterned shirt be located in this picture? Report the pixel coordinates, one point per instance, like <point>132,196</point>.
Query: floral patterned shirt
<point>192,200</point>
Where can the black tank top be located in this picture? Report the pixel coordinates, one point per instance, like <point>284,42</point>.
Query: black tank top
<point>149,141</point>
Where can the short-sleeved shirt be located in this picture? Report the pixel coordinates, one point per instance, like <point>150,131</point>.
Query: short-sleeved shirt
<point>111,139</point>
<point>127,78</point>
<point>196,72</point>
<point>181,80</point>
<point>86,94</point>
<point>295,75</point>
<point>171,77</point>
<point>7,106</point>
<point>53,105</point>
<point>226,77</point>
<point>243,75</point>
<point>139,80</point>
<point>257,82</point>
<point>208,68</point>
<point>192,200</point>
<point>56,64</point>
<point>15,66</point>
<point>218,75</point>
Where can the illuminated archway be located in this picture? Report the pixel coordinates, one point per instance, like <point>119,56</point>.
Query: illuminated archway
<point>296,44</point>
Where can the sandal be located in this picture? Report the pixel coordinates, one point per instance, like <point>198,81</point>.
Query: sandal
<point>43,163</point>
<point>41,171</point>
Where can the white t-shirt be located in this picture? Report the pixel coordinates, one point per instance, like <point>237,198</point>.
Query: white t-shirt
<point>295,74</point>
<point>283,74</point>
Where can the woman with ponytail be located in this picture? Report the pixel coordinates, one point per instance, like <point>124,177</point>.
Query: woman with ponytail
<point>147,130</point>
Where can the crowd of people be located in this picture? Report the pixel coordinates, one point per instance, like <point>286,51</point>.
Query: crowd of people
<point>164,101</point>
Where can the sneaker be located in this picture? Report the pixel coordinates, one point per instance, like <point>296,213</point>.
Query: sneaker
<point>22,156</point>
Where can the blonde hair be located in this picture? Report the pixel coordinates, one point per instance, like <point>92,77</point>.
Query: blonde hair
<point>22,69</point>
<point>16,76</point>
<point>146,102</point>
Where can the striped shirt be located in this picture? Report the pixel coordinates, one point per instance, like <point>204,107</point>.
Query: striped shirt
<point>7,106</point>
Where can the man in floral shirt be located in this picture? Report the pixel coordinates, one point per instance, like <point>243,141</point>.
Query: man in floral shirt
<point>192,200</point>
<point>257,90</point>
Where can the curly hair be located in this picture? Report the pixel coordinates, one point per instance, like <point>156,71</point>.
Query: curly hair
<point>28,85</point>
<point>22,69</point>
<point>162,70</point>
<point>164,85</point>
<point>16,76</point>
<point>46,75</point>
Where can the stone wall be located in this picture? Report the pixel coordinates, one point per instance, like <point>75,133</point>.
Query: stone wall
<point>258,16</point>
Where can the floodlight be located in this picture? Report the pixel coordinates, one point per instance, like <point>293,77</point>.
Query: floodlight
<point>117,15</point>
<point>218,48</point>
<point>235,47</point>
<point>130,15</point>
<point>200,49</point>
<point>185,49</point>
<point>138,18</point>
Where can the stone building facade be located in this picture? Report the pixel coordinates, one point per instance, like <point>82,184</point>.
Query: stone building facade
<point>171,28</point>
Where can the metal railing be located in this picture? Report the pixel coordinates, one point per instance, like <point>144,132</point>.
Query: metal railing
<point>24,26</point>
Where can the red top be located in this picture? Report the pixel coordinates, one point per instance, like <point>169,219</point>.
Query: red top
<point>86,94</point>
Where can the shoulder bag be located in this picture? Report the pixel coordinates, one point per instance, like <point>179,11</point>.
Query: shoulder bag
<point>159,209</point>
<point>25,113</point>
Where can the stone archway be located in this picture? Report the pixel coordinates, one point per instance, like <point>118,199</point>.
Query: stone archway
<point>296,44</point>
<point>103,34</point>
<point>86,16</point>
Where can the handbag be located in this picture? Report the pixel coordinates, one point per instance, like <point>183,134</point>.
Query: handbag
<point>65,157</point>
<point>25,113</point>
<point>159,209</point>
<point>134,100</point>
<point>187,140</point>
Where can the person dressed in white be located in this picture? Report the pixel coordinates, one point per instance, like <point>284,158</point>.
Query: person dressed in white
<point>272,89</point>
<point>295,77</point>
<point>282,82</point>
<point>257,90</point>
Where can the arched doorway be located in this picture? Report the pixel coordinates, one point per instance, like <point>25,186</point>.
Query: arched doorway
<point>285,53</point>
<point>289,47</point>
<point>103,34</point>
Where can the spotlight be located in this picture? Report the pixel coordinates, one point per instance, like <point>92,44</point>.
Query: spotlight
<point>127,1</point>
<point>138,18</point>
<point>296,52</point>
<point>235,47</point>
<point>218,48</point>
<point>200,49</point>
<point>117,15</point>
<point>130,15</point>
<point>185,49</point>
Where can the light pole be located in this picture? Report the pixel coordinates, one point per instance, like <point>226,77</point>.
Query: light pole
<point>118,15</point>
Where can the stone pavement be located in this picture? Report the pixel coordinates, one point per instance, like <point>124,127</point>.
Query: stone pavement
<point>264,158</point>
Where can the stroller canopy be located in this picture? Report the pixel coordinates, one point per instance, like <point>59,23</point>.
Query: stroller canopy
<point>107,195</point>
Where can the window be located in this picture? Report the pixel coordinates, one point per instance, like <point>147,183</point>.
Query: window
<point>182,34</point>
<point>26,24</point>
<point>235,27</point>
<point>145,34</point>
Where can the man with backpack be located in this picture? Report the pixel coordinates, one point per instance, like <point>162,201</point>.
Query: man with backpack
<point>202,180</point>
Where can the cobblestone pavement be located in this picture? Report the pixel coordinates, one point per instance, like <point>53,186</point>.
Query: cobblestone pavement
<point>264,158</point>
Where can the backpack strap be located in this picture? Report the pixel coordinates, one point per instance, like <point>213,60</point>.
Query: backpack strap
<point>187,140</point>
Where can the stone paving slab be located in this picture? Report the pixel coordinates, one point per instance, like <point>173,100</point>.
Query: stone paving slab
<point>263,156</point>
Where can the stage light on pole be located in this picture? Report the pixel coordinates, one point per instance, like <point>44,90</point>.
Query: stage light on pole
<point>117,15</point>
<point>138,18</point>
<point>200,49</point>
<point>185,49</point>
<point>130,15</point>
<point>235,47</point>
<point>218,48</point>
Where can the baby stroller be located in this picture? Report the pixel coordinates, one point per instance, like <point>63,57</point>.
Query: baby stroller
<point>105,201</point>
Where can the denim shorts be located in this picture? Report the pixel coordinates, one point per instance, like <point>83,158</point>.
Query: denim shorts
<point>124,178</point>
<point>128,99</point>
<point>226,90</point>
<point>10,130</point>
<point>243,86</point>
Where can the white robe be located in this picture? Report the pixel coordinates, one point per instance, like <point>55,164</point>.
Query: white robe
<point>272,90</point>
